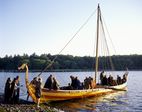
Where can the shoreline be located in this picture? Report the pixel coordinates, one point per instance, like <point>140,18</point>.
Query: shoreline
<point>61,70</point>
<point>69,70</point>
<point>24,106</point>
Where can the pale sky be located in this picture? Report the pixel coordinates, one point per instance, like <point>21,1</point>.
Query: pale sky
<point>45,26</point>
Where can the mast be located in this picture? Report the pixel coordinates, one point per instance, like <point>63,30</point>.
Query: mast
<point>97,41</point>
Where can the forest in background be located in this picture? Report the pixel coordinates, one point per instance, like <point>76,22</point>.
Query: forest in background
<point>69,62</point>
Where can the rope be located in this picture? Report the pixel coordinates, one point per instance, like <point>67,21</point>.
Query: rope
<point>112,66</point>
<point>117,60</point>
<point>51,63</point>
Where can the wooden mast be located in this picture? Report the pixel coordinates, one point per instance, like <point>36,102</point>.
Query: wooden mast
<point>97,42</point>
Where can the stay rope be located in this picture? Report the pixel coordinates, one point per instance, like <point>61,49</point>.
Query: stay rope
<point>81,27</point>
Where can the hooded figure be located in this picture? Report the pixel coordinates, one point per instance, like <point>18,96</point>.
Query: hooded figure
<point>7,91</point>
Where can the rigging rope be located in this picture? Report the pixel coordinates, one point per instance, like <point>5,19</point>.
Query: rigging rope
<point>107,45</point>
<point>51,63</point>
<point>117,60</point>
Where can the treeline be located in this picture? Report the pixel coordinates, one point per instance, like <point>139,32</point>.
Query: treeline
<point>69,62</point>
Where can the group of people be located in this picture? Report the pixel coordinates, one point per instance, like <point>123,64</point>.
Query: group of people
<point>12,90</point>
<point>88,83</point>
<point>110,81</point>
<point>76,84</point>
<point>51,83</point>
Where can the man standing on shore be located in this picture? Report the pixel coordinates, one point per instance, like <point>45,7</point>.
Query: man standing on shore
<point>7,91</point>
<point>17,89</point>
<point>38,91</point>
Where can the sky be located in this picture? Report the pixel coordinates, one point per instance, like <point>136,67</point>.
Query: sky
<point>45,26</point>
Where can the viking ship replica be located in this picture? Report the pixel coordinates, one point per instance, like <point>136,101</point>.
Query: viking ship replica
<point>64,94</point>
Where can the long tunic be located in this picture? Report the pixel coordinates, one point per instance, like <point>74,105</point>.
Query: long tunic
<point>38,89</point>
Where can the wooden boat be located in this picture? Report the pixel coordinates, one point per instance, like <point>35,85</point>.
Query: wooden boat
<point>56,95</point>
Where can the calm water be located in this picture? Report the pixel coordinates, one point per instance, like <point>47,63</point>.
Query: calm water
<point>129,101</point>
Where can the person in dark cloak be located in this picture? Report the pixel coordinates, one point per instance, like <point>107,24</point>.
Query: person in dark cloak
<point>86,83</point>
<point>124,78</point>
<point>7,91</point>
<point>38,91</point>
<point>101,77</point>
<point>73,82</point>
<point>119,80</point>
<point>110,80</point>
<point>17,88</point>
<point>104,80</point>
<point>55,84</point>
<point>13,91</point>
<point>49,82</point>
<point>90,79</point>
<point>77,83</point>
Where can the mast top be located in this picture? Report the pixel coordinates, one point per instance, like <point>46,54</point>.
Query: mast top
<point>98,5</point>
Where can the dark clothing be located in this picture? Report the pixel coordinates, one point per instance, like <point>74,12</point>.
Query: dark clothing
<point>38,89</point>
<point>69,87</point>
<point>7,91</point>
<point>13,91</point>
<point>34,81</point>
<point>49,83</point>
<point>119,80</point>
<point>73,82</point>
<point>86,83</point>
<point>104,81</point>
<point>78,84</point>
<point>110,81</point>
<point>124,78</point>
<point>17,92</point>
<point>101,76</point>
<point>55,84</point>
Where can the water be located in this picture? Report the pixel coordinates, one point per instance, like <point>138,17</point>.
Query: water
<point>123,101</point>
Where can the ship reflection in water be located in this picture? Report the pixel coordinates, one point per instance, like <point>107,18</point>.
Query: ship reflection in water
<point>105,103</point>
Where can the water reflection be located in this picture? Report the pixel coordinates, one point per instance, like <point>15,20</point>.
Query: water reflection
<point>105,103</point>
<point>129,101</point>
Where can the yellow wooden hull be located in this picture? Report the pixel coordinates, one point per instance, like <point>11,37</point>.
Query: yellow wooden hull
<point>57,95</point>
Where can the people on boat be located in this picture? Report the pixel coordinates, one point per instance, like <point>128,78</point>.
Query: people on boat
<point>86,83</point>
<point>38,88</point>
<point>55,84</point>
<point>34,81</point>
<point>101,76</point>
<point>49,82</point>
<point>91,82</point>
<point>104,80</point>
<point>119,80</point>
<point>78,84</point>
<point>124,78</point>
<point>73,83</point>
<point>7,91</point>
<point>110,80</point>
<point>69,87</point>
